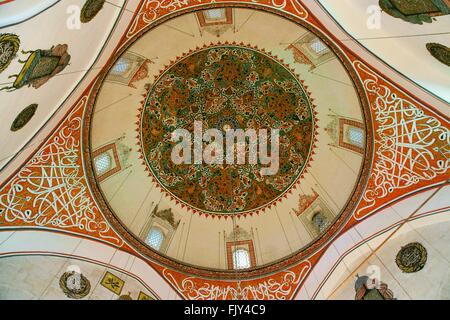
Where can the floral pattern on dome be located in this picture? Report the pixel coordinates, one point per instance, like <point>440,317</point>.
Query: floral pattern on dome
<point>227,87</point>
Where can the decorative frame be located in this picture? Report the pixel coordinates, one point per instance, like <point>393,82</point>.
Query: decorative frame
<point>90,10</point>
<point>418,264</point>
<point>74,293</point>
<point>144,296</point>
<point>390,7</point>
<point>232,245</point>
<point>24,117</point>
<point>315,207</point>
<point>440,52</point>
<point>304,54</point>
<point>138,70</point>
<point>113,283</point>
<point>165,221</point>
<point>117,168</point>
<point>7,54</point>
<point>352,123</point>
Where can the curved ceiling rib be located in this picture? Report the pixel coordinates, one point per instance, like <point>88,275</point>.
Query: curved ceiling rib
<point>17,11</point>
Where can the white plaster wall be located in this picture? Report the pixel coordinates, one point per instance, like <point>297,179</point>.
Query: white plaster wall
<point>27,243</point>
<point>397,42</point>
<point>43,31</point>
<point>351,254</point>
<point>20,10</point>
<point>37,278</point>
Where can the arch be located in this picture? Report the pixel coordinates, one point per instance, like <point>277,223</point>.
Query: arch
<point>17,11</point>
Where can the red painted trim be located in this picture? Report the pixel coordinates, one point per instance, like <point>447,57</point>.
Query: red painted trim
<point>5,2</point>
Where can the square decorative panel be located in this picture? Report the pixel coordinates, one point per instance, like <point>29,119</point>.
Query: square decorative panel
<point>112,283</point>
<point>144,296</point>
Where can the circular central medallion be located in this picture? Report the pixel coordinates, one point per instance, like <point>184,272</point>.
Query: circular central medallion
<point>227,87</point>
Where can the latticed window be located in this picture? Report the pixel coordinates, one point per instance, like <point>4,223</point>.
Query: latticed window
<point>155,238</point>
<point>241,259</point>
<point>356,136</point>
<point>215,14</point>
<point>102,163</point>
<point>319,47</point>
<point>320,221</point>
<point>121,66</point>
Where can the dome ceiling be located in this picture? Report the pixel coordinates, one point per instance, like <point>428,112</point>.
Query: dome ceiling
<point>362,150</point>
<point>227,87</point>
<point>228,77</point>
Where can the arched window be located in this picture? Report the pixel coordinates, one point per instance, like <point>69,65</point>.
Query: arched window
<point>102,163</point>
<point>320,221</point>
<point>155,238</point>
<point>241,259</point>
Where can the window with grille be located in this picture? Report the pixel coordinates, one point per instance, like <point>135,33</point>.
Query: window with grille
<point>356,136</point>
<point>241,259</point>
<point>320,221</point>
<point>103,163</point>
<point>155,238</point>
<point>215,14</point>
<point>121,66</point>
<point>319,47</point>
